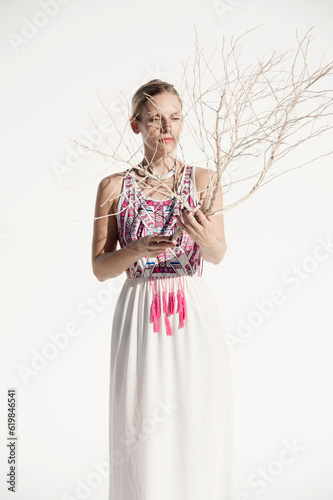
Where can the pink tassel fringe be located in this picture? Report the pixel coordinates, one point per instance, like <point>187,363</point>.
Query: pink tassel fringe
<point>169,307</point>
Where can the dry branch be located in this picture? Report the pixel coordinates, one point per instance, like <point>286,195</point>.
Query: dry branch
<point>263,110</point>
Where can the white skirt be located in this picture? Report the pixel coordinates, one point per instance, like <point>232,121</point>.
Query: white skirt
<point>171,415</point>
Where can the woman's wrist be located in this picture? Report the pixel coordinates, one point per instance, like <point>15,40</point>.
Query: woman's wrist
<point>215,252</point>
<point>132,249</point>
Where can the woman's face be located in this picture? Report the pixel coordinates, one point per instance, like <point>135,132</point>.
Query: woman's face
<point>161,123</point>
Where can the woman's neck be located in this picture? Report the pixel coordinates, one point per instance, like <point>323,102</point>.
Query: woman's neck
<point>160,165</point>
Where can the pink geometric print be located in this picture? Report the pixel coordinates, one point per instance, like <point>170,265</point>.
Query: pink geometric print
<point>140,216</point>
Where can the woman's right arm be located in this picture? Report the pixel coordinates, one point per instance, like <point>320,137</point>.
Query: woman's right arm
<point>107,261</point>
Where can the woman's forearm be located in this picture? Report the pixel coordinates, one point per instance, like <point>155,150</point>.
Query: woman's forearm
<point>214,253</point>
<point>112,264</point>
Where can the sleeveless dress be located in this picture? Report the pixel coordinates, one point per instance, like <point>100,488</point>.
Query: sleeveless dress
<point>170,425</point>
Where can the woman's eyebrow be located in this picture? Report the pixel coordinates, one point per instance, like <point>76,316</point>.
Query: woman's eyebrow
<point>159,114</point>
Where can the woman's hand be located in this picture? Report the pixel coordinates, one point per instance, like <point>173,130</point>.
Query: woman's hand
<point>152,245</point>
<point>198,227</point>
<point>207,234</point>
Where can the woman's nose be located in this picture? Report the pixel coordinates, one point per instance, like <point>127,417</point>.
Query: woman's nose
<point>166,124</point>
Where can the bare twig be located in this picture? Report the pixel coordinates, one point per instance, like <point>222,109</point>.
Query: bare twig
<point>263,110</point>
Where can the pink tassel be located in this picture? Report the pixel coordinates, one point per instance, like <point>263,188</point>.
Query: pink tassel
<point>182,316</point>
<point>168,326</point>
<point>180,301</point>
<point>154,317</point>
<point>184,306</point>
<point>153,312</point>
<point>157,305</point>
<point>156,327</point>
<point>171,304</point>
<point>164,301</point>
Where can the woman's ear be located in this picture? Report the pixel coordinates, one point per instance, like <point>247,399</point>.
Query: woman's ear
<point>134,125</point>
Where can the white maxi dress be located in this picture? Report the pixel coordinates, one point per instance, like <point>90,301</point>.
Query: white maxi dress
<point>171,414</point>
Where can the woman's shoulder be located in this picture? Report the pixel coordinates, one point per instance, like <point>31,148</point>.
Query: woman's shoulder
<point>202,175</point>
<point>110,187</point>
<point>110,181</point>
<point>200,170</point>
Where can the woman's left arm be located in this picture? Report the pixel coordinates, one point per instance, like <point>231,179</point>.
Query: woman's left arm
<point>206,231</point>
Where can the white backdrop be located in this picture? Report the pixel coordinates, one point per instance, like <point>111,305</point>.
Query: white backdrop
<point>56,317</point>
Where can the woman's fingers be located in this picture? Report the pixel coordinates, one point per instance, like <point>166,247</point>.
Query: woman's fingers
<point>189,221</point>
<point>161,241</point>
<point>159,238</point>
<point>198,217</point>
<point>196,220</point>
<point>201,217</point>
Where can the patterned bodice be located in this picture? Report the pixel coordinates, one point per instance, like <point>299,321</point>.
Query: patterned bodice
<point>139,216</point>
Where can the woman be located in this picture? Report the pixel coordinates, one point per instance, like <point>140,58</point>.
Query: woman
<point>170,385</point>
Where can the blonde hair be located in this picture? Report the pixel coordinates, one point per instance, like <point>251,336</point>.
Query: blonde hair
<point>149,89</point>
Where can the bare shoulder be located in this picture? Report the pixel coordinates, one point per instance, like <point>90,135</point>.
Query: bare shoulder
<point>202,175</point>
<point>203,178</point>
<point>110,188</point>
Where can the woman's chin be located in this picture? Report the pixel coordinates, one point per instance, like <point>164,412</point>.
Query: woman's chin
<point>167,146</point>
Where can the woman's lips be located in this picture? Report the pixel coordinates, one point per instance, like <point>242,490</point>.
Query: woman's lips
<point>166,140</point>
